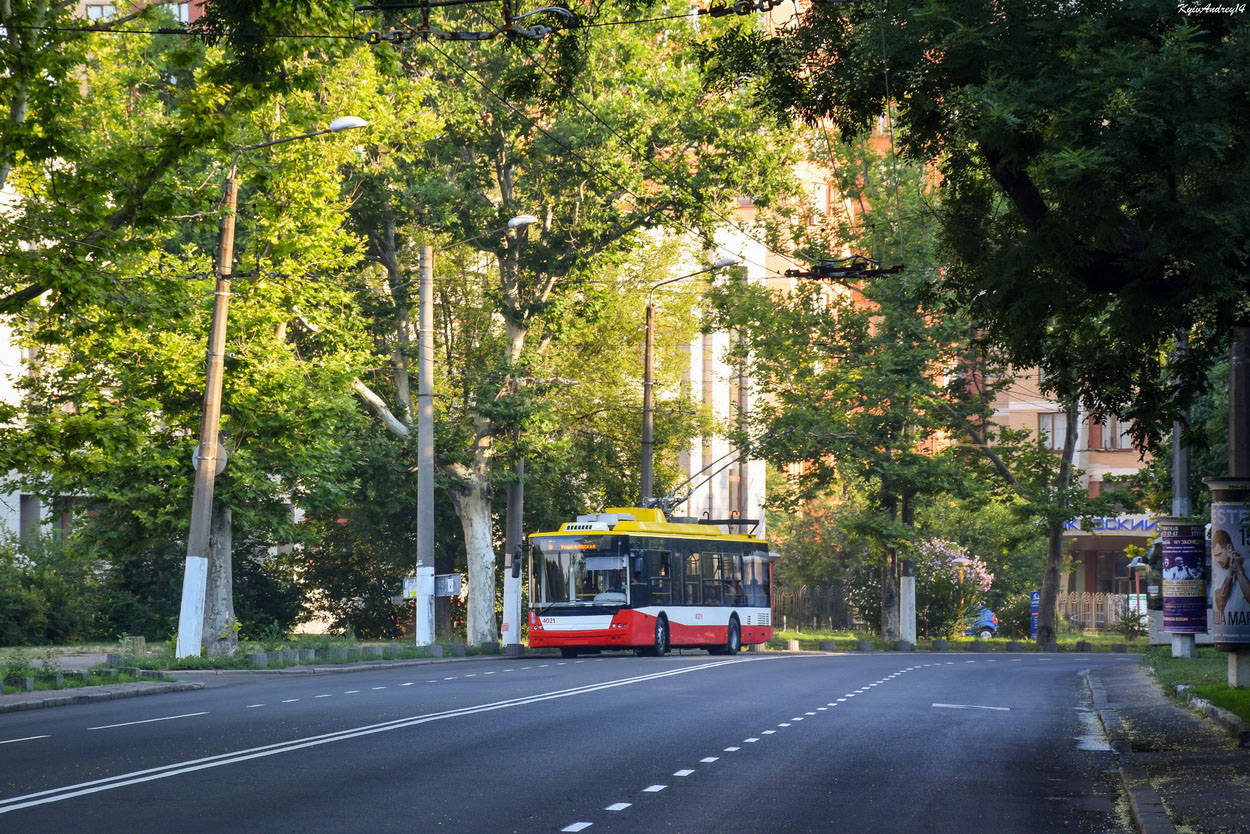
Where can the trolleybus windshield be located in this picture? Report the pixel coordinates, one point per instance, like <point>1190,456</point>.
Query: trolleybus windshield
<point>581,570</point>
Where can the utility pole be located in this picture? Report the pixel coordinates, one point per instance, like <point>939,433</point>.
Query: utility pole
<point>512,563</point>
<point>425,450</point>
<point>195,574</point>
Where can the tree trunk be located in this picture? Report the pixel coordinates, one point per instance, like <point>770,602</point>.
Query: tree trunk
<point>221,636</point>
<point>1046,627</point>
<point>890,598</point>
<point>471,500</point>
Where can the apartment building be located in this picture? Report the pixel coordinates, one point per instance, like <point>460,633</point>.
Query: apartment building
<point>1103,449</point>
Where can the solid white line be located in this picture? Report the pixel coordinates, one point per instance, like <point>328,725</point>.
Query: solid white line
<point>150,720</point>
<point>190,766</point>
<point>970,706</point>
<point>618,806</point>
<point>28,738</point>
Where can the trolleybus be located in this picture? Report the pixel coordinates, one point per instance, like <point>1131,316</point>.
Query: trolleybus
<point>629,578</point>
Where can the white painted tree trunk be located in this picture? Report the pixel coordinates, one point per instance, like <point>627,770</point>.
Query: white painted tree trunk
<point>472,504</point>
<point>220,635</point>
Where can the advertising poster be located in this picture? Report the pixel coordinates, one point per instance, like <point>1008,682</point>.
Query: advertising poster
<point>1230,547</point>
<point>1184,591</point>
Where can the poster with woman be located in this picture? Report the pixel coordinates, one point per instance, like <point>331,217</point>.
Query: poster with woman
<point>1230,545</point>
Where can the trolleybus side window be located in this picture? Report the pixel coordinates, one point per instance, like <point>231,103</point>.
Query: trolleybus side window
<point>755,578</point>
<point>660,572</point>
<point>693,578</point>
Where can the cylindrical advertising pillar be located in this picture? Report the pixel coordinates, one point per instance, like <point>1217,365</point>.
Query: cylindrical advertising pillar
<point>1184,590</point>
<point>1230,546</point>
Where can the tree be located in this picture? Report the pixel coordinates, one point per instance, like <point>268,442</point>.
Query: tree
<point>600,137</point>
<point>1090,154</point>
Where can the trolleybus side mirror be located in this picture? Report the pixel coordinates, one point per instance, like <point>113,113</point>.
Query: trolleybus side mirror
<point>516,562</point>
<point>638,563</point>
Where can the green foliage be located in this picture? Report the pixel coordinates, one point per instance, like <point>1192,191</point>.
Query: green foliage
<point>48,595</point>
<point>1090,156</point>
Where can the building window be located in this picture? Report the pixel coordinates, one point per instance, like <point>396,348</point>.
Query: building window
<point>99,11</point>
<point>182,12</point>
<point>1051,428</point>
<point>1115,434</point>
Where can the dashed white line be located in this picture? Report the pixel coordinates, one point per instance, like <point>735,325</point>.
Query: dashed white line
<point>768,732</point>
<point>254,706</point>
<point>151,720</point>
<point>323,696</point>
<point>732,749</point>
<point>797,718</point>
<point>351,692</point>
<point>654,789</point>
<point>683,773</point>
<point>710,759</point>
<point>618,806</point>
<point>784,724</point>
<point>452,678</point>
<point>577,826</point>
<point>379,687</point>
<point>28,738</point>
<point>410,683</point>
<point>289,700</point>
<point>809,713</point>
<point>751,740</point>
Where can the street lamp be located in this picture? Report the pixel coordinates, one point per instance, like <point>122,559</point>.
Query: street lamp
<point>648,411</point>
<point>1137,565</point>
<point>207,464</point>
<point>424,625</point>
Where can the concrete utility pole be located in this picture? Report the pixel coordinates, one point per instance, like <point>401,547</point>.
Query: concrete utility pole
<point>425,450</point>
<point>208,464</point>
<point>513,536</point>
<point>195,573</point>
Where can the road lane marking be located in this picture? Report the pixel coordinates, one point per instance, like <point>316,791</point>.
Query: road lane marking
<point>654,789</point>
<point>121,780</point>
<point>410,683</point>
<point>151,720</point>
<point>618,806</point>
<point>683,773</point>
<point>16,740</point>
<point>351,692</point>
<point>323,696</point>
<point>378,687</point>
<point>751,740</point>
<point>290,700</point>
<point>768,732</point>
<point>784,724</point>
<point>970,706</point>
<point>254,706</point>
<point>577,826</point>
<point>710,759</point>
<point>732,749</point>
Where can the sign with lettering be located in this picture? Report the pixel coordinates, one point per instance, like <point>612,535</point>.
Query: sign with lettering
<point>1133,524</point>
<point>1184,589</point>
<point>1230,547</point>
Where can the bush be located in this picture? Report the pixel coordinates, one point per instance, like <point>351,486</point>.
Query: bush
<point>1013,617</point>
<point>47,594</point>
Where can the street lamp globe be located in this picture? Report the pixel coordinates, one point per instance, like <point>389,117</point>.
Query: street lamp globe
<point>347,123</point>
<point>522,220</point>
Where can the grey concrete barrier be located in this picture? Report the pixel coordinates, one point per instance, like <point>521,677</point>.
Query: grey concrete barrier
<point>1120,648</point>
<point>307,655</point>
<point>792,645</point>
<point>1084,646</point>
<point>258,659</point>
<point>514,650</point>
<point>1050,647</point>
<point>340,653</point>
<point>56,679</point>
<point>392,651</point>
<point>976,646</point>
<point>940,645</point>
<point>113,659</point>
<point>1013,646</point>
<point>863,646</point>
<point>902,646</point>
<point>371,651</point>
<point>828,646</point>
<point>21,682</point>
<point>457,649</point>
<point>434,650</point>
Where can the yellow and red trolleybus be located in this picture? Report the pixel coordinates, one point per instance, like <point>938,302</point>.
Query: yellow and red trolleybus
<point>629,578</point>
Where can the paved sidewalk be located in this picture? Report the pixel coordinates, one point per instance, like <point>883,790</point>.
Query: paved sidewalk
<point>1182,773</point>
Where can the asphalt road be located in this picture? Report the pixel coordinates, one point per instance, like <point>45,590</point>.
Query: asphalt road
<point>754,743</point>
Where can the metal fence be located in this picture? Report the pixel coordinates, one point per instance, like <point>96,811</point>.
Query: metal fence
<point>1091,611</point>
<point>812,607</point>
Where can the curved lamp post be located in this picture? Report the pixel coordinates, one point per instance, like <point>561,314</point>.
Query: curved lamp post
<point>207,463</point>
<point>425,463</point>
<point>648,411</point>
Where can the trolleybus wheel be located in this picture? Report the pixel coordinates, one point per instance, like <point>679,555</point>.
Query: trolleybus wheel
<point>661,639</point>
<point>733,643</point>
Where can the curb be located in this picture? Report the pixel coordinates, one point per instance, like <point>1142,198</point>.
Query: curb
<point>1145,804</point>
<point>1227,721</point>
<point>93,694</point>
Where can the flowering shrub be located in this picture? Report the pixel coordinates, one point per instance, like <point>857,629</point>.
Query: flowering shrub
<point>946,594</point>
